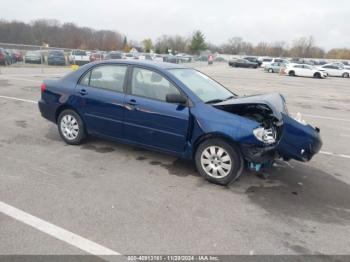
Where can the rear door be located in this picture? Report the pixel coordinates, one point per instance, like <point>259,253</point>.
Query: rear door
<point>299,70</point>
<point>100,94</point>
<point>307,71</point>
<point>149,119</point>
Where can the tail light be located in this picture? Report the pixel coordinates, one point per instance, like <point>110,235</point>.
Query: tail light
<point>43,87</point>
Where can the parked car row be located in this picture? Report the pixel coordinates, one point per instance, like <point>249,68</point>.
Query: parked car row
<point>8,57</point>
<point>288,67</point>
<point>179,58</point>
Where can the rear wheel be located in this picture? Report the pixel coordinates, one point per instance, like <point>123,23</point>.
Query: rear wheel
<point>218,161</point>
<point>291,73</point>
<point>317,75</point>
<point>71,127</point>
<point>270,70</point>
<point>346,75</point>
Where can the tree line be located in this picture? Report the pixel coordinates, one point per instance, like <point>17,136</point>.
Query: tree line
<point>68,35</point>
<point>53,33</point>
<point>303,47</point>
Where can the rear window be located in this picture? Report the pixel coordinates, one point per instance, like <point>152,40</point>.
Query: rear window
<point>79,52</point>
<point>56,53</point>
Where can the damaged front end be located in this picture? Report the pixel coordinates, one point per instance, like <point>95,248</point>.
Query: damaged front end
<point>276,134</point>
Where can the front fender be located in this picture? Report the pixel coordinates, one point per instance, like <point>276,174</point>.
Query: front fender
<point>209,120</point>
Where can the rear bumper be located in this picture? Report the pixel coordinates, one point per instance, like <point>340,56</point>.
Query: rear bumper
<point>47,111</point>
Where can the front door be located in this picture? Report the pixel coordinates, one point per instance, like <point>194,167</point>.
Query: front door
<point>149,119</point>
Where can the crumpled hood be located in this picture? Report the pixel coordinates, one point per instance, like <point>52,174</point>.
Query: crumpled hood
<point>274,101</point>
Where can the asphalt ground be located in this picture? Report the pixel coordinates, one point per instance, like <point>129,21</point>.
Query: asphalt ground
<point>108,198</point>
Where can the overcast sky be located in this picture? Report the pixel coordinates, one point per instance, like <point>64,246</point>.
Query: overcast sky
<point>253,20</point>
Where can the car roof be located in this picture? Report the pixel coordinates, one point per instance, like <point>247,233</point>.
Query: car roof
<point>146,63</point>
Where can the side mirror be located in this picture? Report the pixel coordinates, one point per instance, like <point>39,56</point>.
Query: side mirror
<point>176,99</point>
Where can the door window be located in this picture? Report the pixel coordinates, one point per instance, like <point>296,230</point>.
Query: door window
<point>109,77</point>
<point>147,83</point>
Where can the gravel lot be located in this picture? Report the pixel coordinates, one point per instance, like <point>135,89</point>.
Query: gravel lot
<point>135,201</point>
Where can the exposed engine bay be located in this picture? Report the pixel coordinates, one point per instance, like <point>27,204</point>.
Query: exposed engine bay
<point>270,130</point>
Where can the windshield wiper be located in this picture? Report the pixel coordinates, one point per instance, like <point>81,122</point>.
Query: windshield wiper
<point>218,100</point>
<point>230,97</point>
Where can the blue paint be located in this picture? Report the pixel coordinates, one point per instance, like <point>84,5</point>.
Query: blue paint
<point>173,128</point>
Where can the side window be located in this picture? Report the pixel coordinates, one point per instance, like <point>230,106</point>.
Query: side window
<point>110,77</point>
<point>147,83</point>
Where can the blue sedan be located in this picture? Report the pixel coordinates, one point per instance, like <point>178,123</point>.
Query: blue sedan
<point>177,110</point>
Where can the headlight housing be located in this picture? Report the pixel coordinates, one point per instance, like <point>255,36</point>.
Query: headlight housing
<point>267,136</point>
<point>299,119</point>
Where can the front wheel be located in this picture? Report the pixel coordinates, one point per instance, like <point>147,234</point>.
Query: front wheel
<point>270,70</point>
<point>218,161</point>
<point>346,75</point>
<point>71,127</point>
<point>291,73</point>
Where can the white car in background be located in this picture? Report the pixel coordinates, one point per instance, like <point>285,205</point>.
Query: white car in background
<point>269,61</point>
<point>335,69</point>
<point>157,58</point>
<point>304,70</point>
<point>264,61</point>
<point>78,57</point>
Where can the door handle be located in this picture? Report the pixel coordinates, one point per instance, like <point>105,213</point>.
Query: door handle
<point>83,92</point>
<point>132,102</point>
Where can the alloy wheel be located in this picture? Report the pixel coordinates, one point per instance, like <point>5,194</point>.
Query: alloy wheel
<point>216,162</point>
<point>69,127</point>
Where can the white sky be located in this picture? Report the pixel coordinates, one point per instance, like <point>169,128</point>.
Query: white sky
<point>253,20</point>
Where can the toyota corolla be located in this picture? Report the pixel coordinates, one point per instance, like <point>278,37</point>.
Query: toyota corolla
<point>180,111</point>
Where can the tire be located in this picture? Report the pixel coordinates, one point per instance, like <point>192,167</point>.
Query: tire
<point>71,127</point>
<point>219,168</point>
<point>270,70</point>
<point>345,75</point>
<point>317,75</point>
<point>291,73</point>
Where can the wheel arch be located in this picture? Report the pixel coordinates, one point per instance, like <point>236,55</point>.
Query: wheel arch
<point>207,136</point>
<point>61,108</point>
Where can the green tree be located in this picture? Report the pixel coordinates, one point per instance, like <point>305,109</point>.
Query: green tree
<point>147,44</point>
<point>198,42</point>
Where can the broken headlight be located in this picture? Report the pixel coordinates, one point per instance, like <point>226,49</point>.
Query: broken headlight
<point>267,136</point>
<point>299,119</point>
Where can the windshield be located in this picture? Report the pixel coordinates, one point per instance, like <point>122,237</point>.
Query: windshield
<point>201,85</point>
